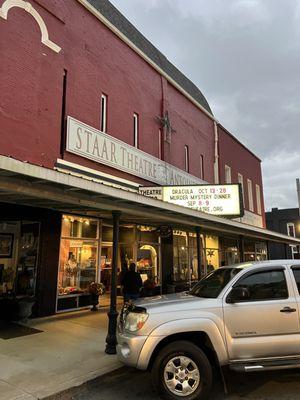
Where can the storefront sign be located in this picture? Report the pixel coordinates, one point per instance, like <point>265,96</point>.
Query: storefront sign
<point>223,200</point>
<point>95,145</point>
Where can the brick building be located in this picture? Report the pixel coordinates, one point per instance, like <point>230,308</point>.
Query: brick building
<point>90,111</point>
<point>286,221</point>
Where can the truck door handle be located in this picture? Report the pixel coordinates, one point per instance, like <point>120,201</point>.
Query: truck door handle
<point>288,310</point>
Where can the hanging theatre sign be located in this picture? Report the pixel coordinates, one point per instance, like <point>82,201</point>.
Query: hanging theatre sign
<point>222,200</point>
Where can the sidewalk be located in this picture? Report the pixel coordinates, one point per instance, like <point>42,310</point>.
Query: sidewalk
<point>68,352</point>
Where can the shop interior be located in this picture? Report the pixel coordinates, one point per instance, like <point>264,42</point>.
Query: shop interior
<point>86,256</point>
<point>19,245</point>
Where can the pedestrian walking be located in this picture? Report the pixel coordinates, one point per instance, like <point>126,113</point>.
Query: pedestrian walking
<point>132,283</point>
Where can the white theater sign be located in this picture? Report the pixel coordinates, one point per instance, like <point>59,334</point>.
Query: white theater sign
<point>222,200</point>
<point>102,148</point>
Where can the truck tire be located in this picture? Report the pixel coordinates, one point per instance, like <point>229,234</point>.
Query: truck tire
<point>182,371</point>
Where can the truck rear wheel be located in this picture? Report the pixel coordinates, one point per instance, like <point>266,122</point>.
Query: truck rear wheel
<point>182,371</point>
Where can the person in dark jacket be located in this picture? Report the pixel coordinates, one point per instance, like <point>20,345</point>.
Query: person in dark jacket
<point>132,283</point>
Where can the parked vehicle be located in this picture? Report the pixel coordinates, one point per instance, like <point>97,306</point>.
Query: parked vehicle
<point>245,317</point>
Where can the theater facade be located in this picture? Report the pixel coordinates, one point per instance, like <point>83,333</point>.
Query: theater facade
<point>97,129</point>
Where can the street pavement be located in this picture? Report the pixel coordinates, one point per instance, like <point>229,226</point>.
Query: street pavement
<point>130,384</point>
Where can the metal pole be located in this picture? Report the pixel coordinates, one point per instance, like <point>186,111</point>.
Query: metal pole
<point>111,338</point>
<point>199,252</point>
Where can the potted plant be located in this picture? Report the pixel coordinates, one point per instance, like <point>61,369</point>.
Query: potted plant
<point>95,290</point>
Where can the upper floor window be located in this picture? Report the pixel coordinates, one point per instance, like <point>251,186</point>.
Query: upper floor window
<point>135,130</point>
<point>201,166</point>
<point>250,195</point>
<point>241,181</point>
<point>186,158</point>
<point>291,229</point>
<point>258,201</point>
<point>103,117</point>
<point>227,174</point>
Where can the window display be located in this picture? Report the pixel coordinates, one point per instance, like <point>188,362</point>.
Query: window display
<point>125,251</point>
<point>77,265</point>
<point>19,242</point>
<point>27,258</point>
<point>212,252</point>
<point>78,259</point>
<point>180,257</point>
<point>148,253</point>
<point>185,261</point>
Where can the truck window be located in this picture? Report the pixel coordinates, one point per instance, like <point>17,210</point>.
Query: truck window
<point>212,284</point>
<point>296,272</point>
<point>265,285</point>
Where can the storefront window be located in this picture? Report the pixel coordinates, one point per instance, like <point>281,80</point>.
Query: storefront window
<point>212,252</point>
<point>185,259</point>
<point>19,243</point>
<point>180,257</point>
<point>77,265</point>
<point>261,252</point>
<point>148,253</point>
<point>27,259</point>
<point>78,227</point>
<point>193,258</point>
<point>78,255</point>
<point>125,252</point>
<point>255,251</point>
<point>229,252</point>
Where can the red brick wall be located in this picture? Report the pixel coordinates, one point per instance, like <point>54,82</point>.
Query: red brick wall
<point>30,88</point>
<point>242,161</point>
<point>97,62</point>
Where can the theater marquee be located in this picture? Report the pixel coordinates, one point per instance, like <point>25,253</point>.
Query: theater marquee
<point>222,200</point>
<point>100,147</point>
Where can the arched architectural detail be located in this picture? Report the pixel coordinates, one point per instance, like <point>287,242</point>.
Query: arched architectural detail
<point>8,4</point>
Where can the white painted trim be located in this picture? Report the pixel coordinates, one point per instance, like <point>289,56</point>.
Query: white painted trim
<point>258,199</point>
<point>124,38</point>
<point>227,174</point>
<point>8,4</point>
<point>291,225</point>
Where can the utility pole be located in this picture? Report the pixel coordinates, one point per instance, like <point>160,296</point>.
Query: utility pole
<point>298,192</point>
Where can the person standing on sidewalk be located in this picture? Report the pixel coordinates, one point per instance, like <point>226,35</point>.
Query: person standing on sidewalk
<point>132,283</point>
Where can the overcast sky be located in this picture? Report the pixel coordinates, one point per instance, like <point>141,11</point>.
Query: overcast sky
<point>244,55</point>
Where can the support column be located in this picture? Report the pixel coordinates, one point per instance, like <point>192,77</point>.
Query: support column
<point>242,249</point>
<point>199,252</point>
<point>111,338</point>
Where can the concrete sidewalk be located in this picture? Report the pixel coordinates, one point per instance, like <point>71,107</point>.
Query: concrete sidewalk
<point>68,352</point>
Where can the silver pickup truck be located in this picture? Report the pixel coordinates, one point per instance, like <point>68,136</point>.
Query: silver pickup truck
<point>245,317</point>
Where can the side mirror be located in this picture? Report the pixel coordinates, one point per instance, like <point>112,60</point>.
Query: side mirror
<point>238,294</point>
